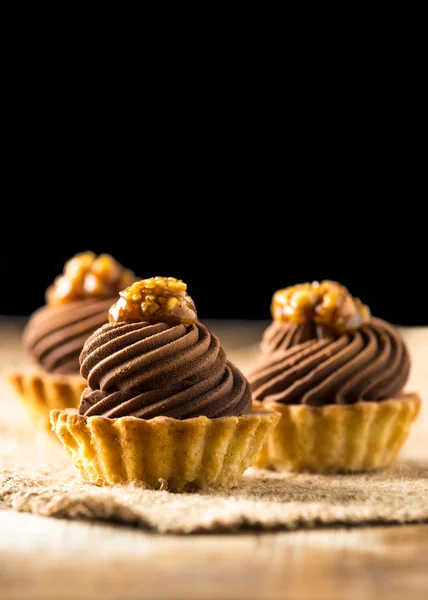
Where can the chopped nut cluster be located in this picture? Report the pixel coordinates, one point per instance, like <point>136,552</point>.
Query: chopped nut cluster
<point>158,299</point>
<point>327,304</point>
<point>88,276</point>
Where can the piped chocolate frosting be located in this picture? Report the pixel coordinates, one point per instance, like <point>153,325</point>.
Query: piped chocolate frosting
<point>145,370</point>
<point>77,304</point>
<point>300,367</point>
<point>55,335</point>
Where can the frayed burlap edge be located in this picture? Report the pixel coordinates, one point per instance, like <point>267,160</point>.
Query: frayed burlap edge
<point>262,501</point>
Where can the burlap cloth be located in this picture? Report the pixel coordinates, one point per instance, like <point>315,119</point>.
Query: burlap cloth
<point>35,476</point>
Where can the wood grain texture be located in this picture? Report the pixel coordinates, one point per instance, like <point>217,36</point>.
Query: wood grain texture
<point>51,559</point>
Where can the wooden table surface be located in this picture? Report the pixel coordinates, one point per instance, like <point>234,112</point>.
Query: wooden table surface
<point>42,558</point>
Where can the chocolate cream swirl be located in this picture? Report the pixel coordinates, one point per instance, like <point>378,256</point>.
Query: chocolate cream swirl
<point>370,364</point>
<point>281,336</point>
<point>55,335</point>
<point>147,370</point>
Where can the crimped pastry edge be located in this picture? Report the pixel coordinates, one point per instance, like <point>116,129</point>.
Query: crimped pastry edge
<point>338,438</point>
<point>41,392</point>
<point>180,455</point>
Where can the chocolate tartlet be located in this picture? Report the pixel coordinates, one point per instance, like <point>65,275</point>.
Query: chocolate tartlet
<point>337,375</point>
<point>77,304</point>
<point>163,403</point>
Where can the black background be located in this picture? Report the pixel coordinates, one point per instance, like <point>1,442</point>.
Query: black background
<point>238,208</point>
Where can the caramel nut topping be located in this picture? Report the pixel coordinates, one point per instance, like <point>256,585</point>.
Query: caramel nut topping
<point>155,300</point>
<point>89,276</point>
<point>327,304</point>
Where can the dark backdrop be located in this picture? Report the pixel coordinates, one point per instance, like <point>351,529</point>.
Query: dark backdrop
<point>237,216</point>
<point>232,262</point>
